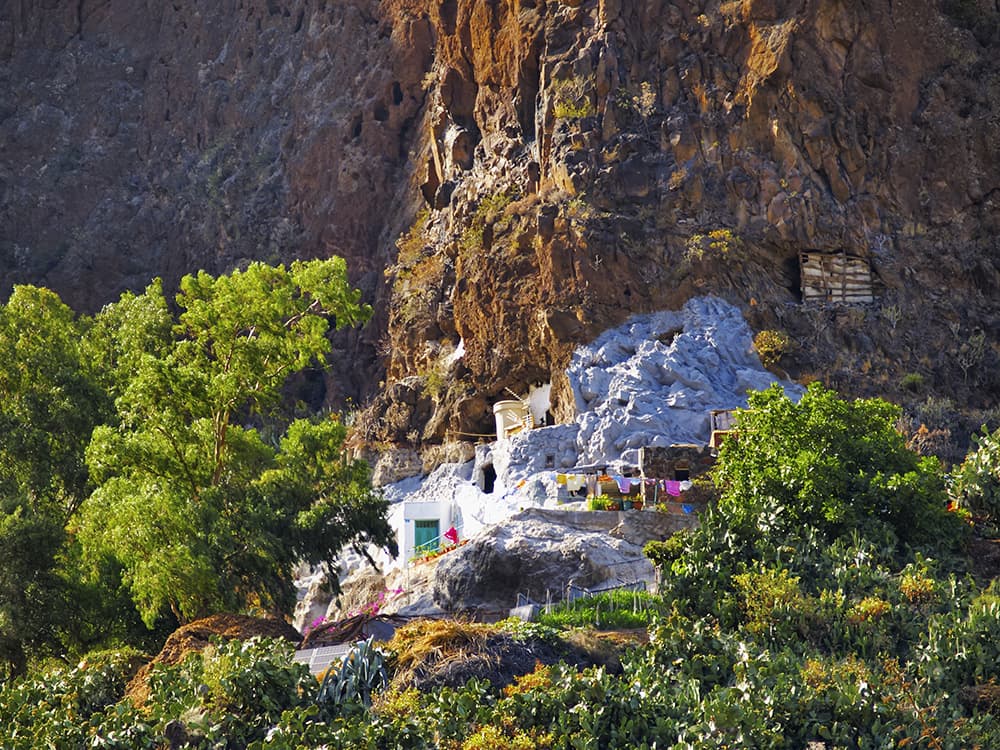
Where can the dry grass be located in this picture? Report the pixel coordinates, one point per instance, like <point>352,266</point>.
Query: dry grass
<point>434,653</point>
<point>605,647</point>
<point>429,645</point>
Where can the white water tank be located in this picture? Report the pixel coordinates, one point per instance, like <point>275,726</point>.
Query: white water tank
<point>512,416</point>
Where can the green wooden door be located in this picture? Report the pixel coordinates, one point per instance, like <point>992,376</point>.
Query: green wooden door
<point>425,535</point>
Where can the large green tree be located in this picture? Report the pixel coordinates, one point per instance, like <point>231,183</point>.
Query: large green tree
<point>49,404</point>
<point>833,464</point>
<point>200,508</point>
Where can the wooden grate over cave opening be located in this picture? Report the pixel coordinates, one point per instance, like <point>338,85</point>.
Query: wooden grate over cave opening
<point>836,278</point>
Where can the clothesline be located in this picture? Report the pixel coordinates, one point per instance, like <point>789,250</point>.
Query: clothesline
<point>576,482</point>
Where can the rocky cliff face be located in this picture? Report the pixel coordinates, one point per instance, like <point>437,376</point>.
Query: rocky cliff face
<point>556,166</point>
<point>591,159</point>
<point>146,138</point>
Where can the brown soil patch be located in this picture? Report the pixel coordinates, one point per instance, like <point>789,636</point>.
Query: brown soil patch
<point>985,697</point>
<point>352,629</point>
<point>197,635</point>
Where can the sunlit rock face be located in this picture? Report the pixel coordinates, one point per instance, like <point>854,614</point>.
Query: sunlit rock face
<point>652,381</point>
<point>579,163</point>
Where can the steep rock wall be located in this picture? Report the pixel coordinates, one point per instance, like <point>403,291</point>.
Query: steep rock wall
<point>620,156</point>
<point>577,161</point>
<point>142,139</point>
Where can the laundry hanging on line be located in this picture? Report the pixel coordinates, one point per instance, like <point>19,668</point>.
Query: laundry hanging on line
<point>572,482</point>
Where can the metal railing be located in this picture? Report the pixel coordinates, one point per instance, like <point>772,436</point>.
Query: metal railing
<point>433,545</point>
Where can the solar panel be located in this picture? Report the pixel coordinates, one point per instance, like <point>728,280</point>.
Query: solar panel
<point>319,659</point>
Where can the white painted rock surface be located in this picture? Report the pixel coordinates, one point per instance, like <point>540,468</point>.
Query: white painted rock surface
<point>650,382</point>
<point>653,380</point>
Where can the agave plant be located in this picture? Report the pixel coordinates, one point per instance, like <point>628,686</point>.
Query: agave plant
<point>361,673</point>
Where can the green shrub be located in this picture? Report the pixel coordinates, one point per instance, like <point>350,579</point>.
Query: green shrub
<point>412,242</point>
<point>233,691</point>
<point>607,611</point>
<point>527,632</point>
<point>573,99</point>
<point>938,413</point>
<point>763,593</point>
<point>487,211</point>
<point>60,707</point>
<point>975,485</point>
<point>598,502</point>
<point>663,553</point>
<point>718,244</point>
<point>912,381</point>
<point>962,648</point>
<point>834,464</point>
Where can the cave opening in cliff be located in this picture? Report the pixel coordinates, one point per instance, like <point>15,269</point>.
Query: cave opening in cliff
<point>489,479</point>
<point>527,98</point>
<point>449,15</point>
<point>793,276</point>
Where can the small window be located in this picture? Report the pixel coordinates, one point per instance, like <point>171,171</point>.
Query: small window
<point>682,471</point>
<point>550,461</point>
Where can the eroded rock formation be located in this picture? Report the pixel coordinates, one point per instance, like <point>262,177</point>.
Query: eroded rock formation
<point>629,154</point>
<point>576,161</point>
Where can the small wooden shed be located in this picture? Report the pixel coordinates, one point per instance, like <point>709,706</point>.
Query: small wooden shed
<point>835,277</point>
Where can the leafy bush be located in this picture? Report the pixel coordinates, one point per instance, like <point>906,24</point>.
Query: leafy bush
<point>411,244</point>
<point>62,707</point>
<point>491,737</point>
<point>962,648</point>
<point>976,483</point>
<point>572,99</point>
<point>598,502</point>
<point>527,632</point>
<point>834,464</point>
<point>718,244</point>
<point>764,593</point>
<point>488,210</point>
<point>604,502</point>
<point>233,691</point>
<point>912,381</point>
<point>663,553</point>
<point>938,413</point>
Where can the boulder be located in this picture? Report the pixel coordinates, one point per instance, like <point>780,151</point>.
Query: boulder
<point>653,380</point>
<point>539,553</point>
